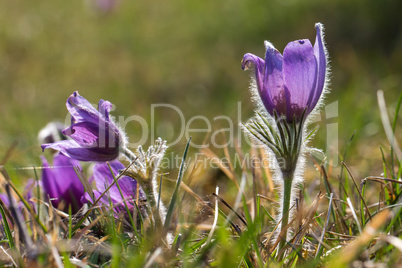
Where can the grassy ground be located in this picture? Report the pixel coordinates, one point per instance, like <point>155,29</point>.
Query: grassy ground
<point>188,54</point>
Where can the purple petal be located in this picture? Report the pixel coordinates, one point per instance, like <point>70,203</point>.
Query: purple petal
<point>86,198</point>
<point>65,167</point>
<point>30,184</point>
<point>103,178</point>
<point>6,201</point>
<point>258,63</point>
<point>61,183</point>
<point>128,187</point>
<point>273,91</point>
<point>73,150</point>
<point>105,5</point>
<point>104,108</point>
<point>48,182</point>
<point>81,110</point>
<point>299,75</point>
<point>102,138</point>
<point>84,133</point>
<point>319,53</point>
<point>103,201</point>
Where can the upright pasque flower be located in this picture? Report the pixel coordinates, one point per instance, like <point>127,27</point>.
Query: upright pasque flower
<point>103,177</point>
<point>94,136</point>
<point>60,182</point>
<point>289,86</point>
<point>292,83</point>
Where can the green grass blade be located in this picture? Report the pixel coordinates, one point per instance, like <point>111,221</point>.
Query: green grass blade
<point>124,199</point>
<point>393,133</point>
<point>398,106</point>
<point>172,204</point>
<point>70,222</point>
<point>26,204</point>
<point>7,228</point>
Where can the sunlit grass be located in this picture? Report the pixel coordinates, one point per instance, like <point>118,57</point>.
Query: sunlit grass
<point>342,219</point>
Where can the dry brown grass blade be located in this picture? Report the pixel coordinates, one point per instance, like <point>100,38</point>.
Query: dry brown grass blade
<point>191,192</point>
<point>283,231</point>
<point>97,244</point>
<point>353,249</point>
<point>341,235</point>
<point>226,152</point>
<point>256,172</point>
<point>357,188</point>
<point>340,220</point>
<point>325,225</point>
<point>267,198</point>
<point>372,178</point>
<point>229,173</point>
<point>6,258</point>
<point>299,215</point>
<point>307,219</point>
<point>240,154</point>
<point>78,235</point>
<point>57,211</point>
<point>230,207</point>
<point>8,213</point>
<point>18,220</point>
<point>33,214</point>
<point>8,153</point>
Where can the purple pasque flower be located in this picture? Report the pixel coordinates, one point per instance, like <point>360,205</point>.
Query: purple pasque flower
<point>60,182</point>
<point>103,178</point>
<point>94,136</point>
<point>292,82</point>
<point>106,5</point>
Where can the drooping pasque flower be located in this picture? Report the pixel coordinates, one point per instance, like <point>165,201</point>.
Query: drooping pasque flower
<point>103,178</point>
<point>94,136</point>
<point>293,82</point>
<point>60,182</point>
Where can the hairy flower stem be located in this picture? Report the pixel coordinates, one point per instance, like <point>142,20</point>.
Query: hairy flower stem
<point>151,192</point>
<point>292,145</point>
<point>129,154</point>
<point>149,186</point>
<point>144,170</point>
<point>287,192</point>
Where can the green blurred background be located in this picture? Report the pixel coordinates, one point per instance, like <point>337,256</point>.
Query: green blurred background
<point>188,54</point>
